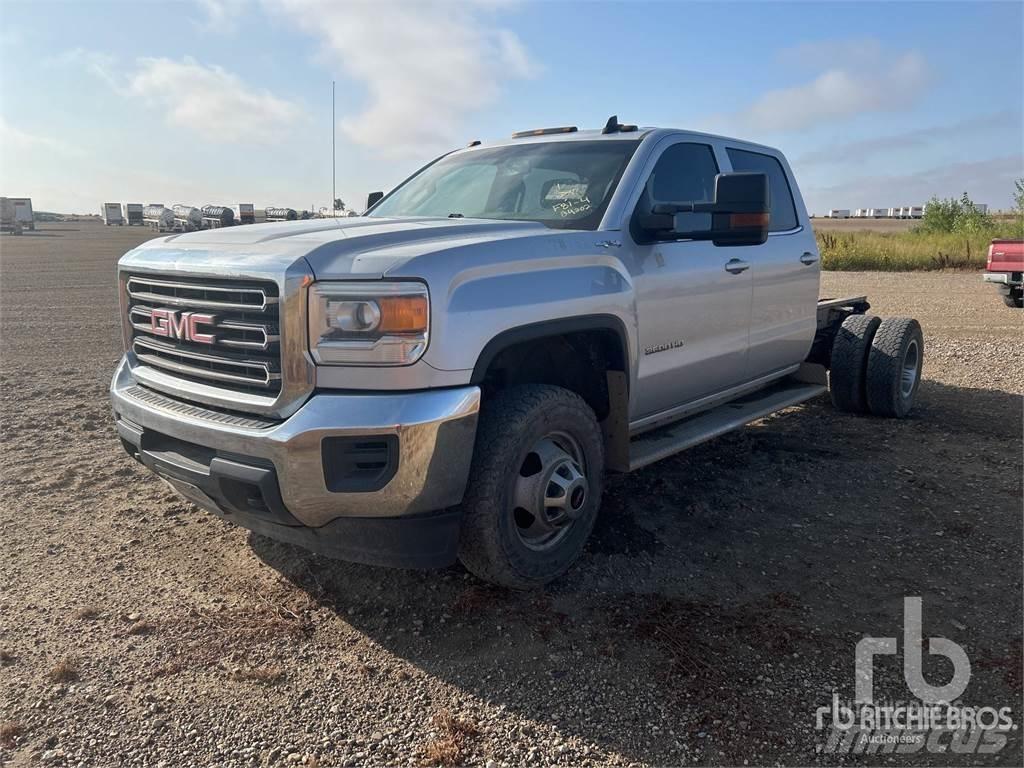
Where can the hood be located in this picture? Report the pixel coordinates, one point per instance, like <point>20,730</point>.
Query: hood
<point>333,247</point>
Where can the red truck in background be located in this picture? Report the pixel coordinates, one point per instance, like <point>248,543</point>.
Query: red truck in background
<point>1005,268</point>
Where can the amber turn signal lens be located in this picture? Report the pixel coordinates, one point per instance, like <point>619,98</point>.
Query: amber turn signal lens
<point>402,314</point>
<point>737,220</point>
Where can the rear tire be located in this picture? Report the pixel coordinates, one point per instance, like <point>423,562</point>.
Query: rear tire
<point>1015,300</point>
<point>539,448</point>
<point>849,363</point>
<point>894,367</point>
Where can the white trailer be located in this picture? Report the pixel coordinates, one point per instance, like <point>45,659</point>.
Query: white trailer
<point>187,217</point>
<point>216,216</point>
<point>111,213</point>
<point>23,212</point>
<point>246,213</point>
<point>159,218</point>
<point>894,213</point>
<point>275,213</point>
<point>861,213</point>
<point>981,207</point>
<point>839,213</point>
<point>8,218</point>
<point>133,214</point>
<point>879,213</point>
<point>917,211</point>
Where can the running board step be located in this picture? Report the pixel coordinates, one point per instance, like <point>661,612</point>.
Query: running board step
<point>661,443</point>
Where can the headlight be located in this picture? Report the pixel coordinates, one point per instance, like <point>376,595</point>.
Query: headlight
<point>368,323</point>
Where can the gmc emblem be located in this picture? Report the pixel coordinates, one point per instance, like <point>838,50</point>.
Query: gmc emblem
<point>173,324</point>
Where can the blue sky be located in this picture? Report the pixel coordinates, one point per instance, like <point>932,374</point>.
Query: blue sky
<point>875,104</point>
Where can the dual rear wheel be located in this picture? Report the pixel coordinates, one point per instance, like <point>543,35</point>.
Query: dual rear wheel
<point>876,365</point>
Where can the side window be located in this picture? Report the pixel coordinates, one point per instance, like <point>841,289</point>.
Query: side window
<point>684,172</point>
<point>783,214</point>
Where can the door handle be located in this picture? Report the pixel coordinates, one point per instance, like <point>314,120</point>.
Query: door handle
<point>735,266</point>
<point>808,258</point>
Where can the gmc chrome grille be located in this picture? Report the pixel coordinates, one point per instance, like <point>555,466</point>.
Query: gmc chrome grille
<point>220,332</point>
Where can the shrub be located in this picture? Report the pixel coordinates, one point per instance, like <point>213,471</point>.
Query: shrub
<point>899,251</point>
<point>950,215</point>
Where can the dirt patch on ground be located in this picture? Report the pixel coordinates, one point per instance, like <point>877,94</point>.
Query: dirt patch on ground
<point>717,607</point>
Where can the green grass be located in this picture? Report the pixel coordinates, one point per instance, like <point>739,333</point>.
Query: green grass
<point>908,251</point>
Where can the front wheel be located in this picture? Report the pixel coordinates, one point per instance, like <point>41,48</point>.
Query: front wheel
<point>534,488</point>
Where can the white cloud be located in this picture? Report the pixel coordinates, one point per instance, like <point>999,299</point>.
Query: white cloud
<point>859,77</point>
<point>13,138</point>
<point>986,181</point>
<point>425,65</point>
<point>221,15</point>
<point>96,63</point>
<point>821,54</point>
<point>856,152</point>
<point>211,101</point>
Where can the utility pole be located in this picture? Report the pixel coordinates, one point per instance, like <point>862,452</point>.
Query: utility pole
<point>334,158</point>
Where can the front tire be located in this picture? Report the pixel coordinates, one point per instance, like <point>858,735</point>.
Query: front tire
<point>534,487</point>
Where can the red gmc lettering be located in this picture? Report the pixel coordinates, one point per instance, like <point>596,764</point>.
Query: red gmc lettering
<point>173,324</point>
<point>192,320</point>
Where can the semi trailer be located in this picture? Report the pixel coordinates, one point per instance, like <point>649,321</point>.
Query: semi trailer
<point>133,214</point>
<point>158,217</point>
<point>246,213</point>
<point>281,214</point>
<point>111,213</point>
<point>187,217</point>
<point>215,216</point>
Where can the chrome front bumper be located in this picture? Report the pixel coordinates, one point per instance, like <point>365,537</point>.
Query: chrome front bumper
<point>435,432</point>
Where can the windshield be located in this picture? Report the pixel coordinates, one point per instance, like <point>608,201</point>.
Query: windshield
<point>565,184</point>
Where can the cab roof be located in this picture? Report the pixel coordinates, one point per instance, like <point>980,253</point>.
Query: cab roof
<point>610,132</point>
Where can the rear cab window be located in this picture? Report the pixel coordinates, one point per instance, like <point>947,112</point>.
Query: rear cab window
<point>783,210</point>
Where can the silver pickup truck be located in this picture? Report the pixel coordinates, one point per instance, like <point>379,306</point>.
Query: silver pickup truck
<point>450,375</point>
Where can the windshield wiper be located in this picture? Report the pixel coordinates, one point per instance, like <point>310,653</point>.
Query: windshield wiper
<point>456,216</point>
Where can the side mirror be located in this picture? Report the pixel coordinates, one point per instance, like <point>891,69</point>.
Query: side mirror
<point>372,199</point>
<point>739,214</point>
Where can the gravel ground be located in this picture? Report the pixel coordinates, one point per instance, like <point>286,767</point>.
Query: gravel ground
<point>716,609</point>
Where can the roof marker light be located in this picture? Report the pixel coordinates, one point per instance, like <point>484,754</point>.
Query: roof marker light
<point>545,131</point>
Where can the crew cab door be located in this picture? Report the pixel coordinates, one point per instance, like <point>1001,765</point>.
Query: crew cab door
<point>785,271</point>
<point>693,298</point>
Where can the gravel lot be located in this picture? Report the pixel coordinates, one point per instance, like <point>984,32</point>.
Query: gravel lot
<point>717,608</point>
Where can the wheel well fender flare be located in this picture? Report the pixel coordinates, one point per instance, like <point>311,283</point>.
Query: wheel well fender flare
<point>550,328</point>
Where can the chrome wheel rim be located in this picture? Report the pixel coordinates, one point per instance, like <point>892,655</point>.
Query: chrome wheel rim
<point>550,491</point>
<point>911,366</point>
